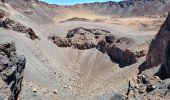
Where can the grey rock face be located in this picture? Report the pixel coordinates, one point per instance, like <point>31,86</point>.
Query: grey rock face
<point>11,71</point>
<point>116,48</point>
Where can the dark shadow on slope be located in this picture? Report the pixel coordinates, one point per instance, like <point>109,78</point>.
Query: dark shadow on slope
<point>123,58</point>
<point>164,71</point>
<point>142,67</point>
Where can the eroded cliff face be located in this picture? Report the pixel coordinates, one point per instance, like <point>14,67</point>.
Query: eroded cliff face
<point>158,46</point>
<point>11,71</point>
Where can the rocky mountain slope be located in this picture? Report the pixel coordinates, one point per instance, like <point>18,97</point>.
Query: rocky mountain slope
<point>80,59</point>
<point>90,10</point>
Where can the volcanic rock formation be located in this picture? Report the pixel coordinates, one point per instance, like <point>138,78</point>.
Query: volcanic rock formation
<point>82,38</point>
<point>146,87</point>
<point>158,47</point>
<point>11,72</point>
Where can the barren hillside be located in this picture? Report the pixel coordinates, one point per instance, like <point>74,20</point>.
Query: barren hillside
<point>78,52</point>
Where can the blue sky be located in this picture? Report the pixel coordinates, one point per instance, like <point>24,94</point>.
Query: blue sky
<point>70,2</point>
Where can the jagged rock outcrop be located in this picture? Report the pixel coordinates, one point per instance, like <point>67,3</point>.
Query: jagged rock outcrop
<point>11,24</point>
<point>16,26</point>
<point>11,71</point>
<point>146,87</point>
<point>116,48</point>
<point>157,50</point>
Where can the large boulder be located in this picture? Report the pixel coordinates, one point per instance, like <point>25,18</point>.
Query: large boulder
<point>11,71</point>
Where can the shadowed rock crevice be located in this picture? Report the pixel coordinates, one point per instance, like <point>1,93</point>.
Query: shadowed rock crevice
<point>116,48</point>
<point>11,71</point>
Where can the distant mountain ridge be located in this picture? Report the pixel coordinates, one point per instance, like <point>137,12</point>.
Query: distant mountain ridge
<point>126,7</point>
<point>109,8</point>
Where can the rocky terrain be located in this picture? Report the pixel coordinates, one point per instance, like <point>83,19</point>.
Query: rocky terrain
<point>91,51</point>
<point>11,71</point>
<point>148,85</point>
<point>118,49</point>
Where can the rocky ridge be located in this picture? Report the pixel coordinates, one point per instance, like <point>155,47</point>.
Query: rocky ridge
<point>126,7</point>
<point>8,23</point>
<point>11,71</point>
<point>122,8</point>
